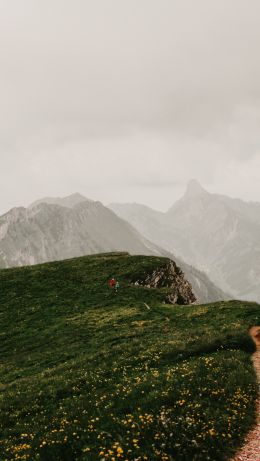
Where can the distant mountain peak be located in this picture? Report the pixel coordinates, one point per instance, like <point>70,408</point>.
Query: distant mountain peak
<point>194,189</point>
<point>70,201</point>
<point>77,195</point>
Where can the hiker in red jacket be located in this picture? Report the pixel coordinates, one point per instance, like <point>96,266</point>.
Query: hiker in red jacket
<point>112,282</point>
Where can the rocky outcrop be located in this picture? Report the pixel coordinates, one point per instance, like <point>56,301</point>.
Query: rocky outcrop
<point>217,234</point>
<point>169,276</point>
<point>155,227</point>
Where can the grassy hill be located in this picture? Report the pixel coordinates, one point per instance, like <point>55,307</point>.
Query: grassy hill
<point>87,374</point>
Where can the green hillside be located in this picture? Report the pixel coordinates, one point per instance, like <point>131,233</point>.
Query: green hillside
<point>87,374</point>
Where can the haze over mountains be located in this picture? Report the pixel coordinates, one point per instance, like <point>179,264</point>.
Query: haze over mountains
<point>215,233</point>
<point>59,228</point>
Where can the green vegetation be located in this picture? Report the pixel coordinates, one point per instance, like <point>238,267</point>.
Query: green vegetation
<point>87,374</point>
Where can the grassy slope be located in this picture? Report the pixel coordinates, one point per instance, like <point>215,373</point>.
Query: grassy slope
<point>90,375</point>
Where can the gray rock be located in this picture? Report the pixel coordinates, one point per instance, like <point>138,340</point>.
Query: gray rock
<point>169,276</point>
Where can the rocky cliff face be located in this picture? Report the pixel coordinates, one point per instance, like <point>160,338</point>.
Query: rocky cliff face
<point>217,234</point>
<point>169,276</point>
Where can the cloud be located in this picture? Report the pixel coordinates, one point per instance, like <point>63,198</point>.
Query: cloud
<point>128,99</point>
<point>180,66</point>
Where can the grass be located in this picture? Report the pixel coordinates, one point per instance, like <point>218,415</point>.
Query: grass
<point>88,375</point>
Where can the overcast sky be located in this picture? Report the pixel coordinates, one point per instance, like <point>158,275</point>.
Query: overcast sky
<point>126,100</point>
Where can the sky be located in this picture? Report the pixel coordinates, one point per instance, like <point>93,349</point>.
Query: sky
<point>127,100</point>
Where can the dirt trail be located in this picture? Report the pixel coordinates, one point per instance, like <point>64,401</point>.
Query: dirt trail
<point>251,449</point>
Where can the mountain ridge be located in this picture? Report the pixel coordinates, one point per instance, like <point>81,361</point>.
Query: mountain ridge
<point>215,233</point>
<point>50,231</point>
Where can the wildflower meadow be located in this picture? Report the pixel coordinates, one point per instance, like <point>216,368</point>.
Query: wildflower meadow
<point>90,375</point>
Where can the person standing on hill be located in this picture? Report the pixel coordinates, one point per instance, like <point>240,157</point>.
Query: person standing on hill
<point>117,286</point>
<point>112,283</point>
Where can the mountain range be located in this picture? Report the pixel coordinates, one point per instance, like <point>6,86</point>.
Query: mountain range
<point>215,233</point>
<point>60,228</point>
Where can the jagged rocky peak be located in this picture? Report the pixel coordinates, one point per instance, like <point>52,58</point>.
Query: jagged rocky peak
<point>194,189</point>
<point>168,276</point>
